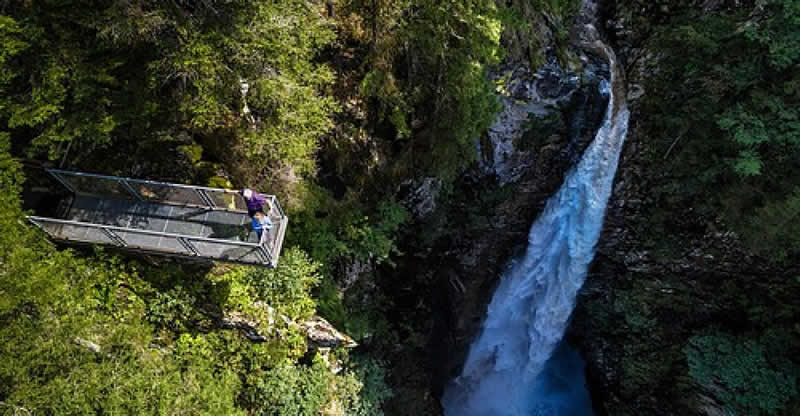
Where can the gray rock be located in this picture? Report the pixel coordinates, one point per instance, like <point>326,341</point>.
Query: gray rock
<point>91,346</point>
<point>353,270</point>
<point>419,196</point>
<point>523,94</point>
<point>321,334</point>
<point>635,92</point>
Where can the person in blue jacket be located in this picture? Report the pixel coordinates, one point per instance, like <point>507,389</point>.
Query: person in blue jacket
<point>261,223</point>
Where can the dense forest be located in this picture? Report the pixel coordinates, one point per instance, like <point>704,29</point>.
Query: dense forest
<point>373,92</point>
<point>350,103</point>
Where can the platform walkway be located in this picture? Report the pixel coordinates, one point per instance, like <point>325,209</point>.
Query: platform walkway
<point>165,226</point>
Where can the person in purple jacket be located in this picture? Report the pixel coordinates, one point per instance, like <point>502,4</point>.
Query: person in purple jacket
<point>254,200</point>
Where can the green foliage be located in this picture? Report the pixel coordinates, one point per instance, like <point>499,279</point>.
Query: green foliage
<point>122,378</point>
<point>337,233</point>
<point>171,309</point>
<point>50,77</point>
<point>738,371</point>
<point>427,77</point>
<point>54,303</point>
<point>372,374</point>
<point>376,240</point>
<point>25,270</point>
<point>154,88</point>
<point>291,390</point>
<point>286,288</point>
<point>332,230</point>
<point>775,228</point>
<point>530,25</point>
<point>282,41</point>
<point>347,310</point>
<point>363,387</point>
<point>85,335</point>
<point>11,38</point>
<point>102,75</point>
<point>737,68</point>
<point>358,390</point>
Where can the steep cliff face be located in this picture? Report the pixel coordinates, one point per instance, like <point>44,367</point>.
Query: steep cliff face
<point>456,252</point>
<point>682,318</point>
<point>675,319</point>
<point>644,309</point>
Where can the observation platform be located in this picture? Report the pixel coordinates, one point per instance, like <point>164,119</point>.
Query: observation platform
<point>160,218</point>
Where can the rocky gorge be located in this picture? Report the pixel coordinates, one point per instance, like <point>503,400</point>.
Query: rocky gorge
<point>459,230</point>
<point>654,317</point>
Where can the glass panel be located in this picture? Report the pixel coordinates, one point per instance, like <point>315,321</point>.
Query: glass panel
<point>153,242</point>
<point>173,194</point>
<point>76,232</point>
<point>150,191</point>
<point>272,210</point>
<point>223,251</point>
<point>227,225</point>
<point>277,209</point>
<point>227,200</point>
<point>271,240</point>
<point>96,186</point>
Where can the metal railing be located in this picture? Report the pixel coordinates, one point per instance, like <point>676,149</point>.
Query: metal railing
<point>145,190</point>
<point>170,243</point>
<point>266,251</point>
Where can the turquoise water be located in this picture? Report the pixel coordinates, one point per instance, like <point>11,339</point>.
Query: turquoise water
<point>560,389</point>
<point>517,365</point>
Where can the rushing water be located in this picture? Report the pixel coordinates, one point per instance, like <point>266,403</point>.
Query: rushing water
<point>503,374</point>
<point>560,389</point>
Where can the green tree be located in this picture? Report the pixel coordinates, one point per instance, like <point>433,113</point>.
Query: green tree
<point>739,373</point>
<point>291,390</point>
<point>97,334</point>
<point>149,75</point>
<point>67,350</point>
<point>732,123</point>
<point>427,77</point>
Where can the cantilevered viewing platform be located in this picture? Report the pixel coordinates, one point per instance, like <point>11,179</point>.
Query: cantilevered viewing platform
<point>161,218</point>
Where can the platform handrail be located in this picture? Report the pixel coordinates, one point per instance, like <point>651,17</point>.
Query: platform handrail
<point>274,201</point>
<point>146,181</point>
<point>278,244</point>
<point>202,191</point>
<point>265,251</point>
<point>34,219</point>
<point>186,241</point>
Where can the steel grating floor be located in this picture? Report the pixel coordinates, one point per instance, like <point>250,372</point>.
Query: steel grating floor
<point>165,218</point>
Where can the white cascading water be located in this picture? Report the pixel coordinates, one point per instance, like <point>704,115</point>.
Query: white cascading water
<point>530,309</point>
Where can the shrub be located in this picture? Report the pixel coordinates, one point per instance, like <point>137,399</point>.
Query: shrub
<point>738,372</point>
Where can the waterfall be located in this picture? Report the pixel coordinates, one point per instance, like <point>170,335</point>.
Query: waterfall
<point>531,306</point>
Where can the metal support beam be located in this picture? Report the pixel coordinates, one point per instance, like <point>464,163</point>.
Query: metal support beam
<point>61,180</point>
<point>39,226</point>
<point>264,254</point>
<point>130,189</point>
<point>189,246</point>
<point>115,237</point>
<point>206,199</point>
